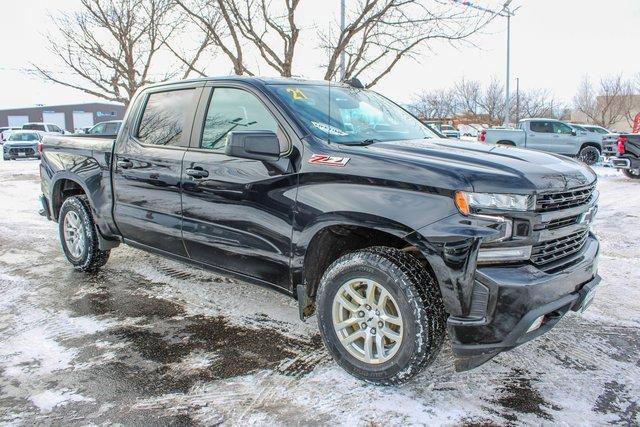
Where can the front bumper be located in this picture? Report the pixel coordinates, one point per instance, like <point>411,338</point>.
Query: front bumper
<point>622,162</point>
<point>507,301</point>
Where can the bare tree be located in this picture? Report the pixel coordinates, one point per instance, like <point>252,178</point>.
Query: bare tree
<point>380,33</point>
<point>608,104</point>
<point>214,17</point>
<point>271,20</point>
<point>438,104</point>
<point>109,46</point>
<point>492,100</point>
<point>467,95</point>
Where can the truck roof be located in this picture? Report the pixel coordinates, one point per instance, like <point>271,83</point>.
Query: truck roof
<point>539,118</point>
<point>256,79</point>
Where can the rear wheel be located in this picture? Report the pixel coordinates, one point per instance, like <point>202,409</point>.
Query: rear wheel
<point>631,173</point>
<point>380,315</point>
<point>78,235</point>
<point>589,155</point>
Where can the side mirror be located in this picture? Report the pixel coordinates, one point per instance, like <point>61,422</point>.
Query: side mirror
<point>574,133</point>
<point>253,144</point>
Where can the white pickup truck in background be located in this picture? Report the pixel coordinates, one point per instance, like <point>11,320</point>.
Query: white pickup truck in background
<point>548,135</point>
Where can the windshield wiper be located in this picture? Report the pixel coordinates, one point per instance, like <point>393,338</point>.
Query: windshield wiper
<point>363,142</point>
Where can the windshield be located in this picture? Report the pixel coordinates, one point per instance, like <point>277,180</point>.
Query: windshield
<point>350,116</point>
<point>23,137</point>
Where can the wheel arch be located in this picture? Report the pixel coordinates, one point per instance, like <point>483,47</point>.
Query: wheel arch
<point>63,186</point>
<point>506,142</point>
<point>325,241</point>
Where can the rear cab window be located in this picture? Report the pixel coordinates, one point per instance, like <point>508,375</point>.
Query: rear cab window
<point>34,126</point>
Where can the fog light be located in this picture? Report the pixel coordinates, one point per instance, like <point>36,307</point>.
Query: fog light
<point>498,255</point>
<point>536,324</point>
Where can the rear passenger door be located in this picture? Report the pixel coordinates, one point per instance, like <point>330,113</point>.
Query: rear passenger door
<point>237,213</point>
<point>147,174</point>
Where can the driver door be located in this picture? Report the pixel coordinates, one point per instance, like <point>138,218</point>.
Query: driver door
<point>237,213</point>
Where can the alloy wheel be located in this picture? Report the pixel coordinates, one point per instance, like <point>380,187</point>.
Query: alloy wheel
<point>367,321</point>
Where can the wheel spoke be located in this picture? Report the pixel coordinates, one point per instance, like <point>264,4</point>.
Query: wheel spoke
<point>368,348</point>
<point>346,323</point>
<point>380,347</point>
<point>392,335</point>
<point>355,295</point>
<point>394,320</point>
<point>347,304</point>
<point>371,293</point>
<point>354,336</point>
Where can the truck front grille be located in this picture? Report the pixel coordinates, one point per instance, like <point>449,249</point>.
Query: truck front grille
<point>553,250</point>
<point>564,200</point>
<point>26,151</point>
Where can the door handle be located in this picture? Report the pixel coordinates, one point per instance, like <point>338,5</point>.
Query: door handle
<point>197,172</point>
<point>125,164</point>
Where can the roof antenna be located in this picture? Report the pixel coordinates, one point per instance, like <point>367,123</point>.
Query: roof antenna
<point>354,82</point>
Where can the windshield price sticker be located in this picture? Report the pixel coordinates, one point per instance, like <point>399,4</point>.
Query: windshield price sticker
<point>297,94</point>
<point>328,129</point>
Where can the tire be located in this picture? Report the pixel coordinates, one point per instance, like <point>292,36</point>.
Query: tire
<point>631,173</point>
<point>589,155</point>
<point>416,297</point>
<point>76,220</point>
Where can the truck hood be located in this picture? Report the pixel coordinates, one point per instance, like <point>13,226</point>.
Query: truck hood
<point>490,168</point>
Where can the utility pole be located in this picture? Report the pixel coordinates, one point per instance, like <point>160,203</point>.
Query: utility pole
<point>517,100</point>
<point>508,13</point>
<point>343,7</point>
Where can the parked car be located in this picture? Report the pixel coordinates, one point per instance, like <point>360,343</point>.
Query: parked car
<point>627,157</point>
<point>43,127</point>
<point>338,197</point>
<point>22,144</point>
<point>549,135</point>
<point>597,129</point>
<point>449,131</point>
<point>105,128</point>
<point>468,130</point>
<point>5,132</point>
<point>580,130</point>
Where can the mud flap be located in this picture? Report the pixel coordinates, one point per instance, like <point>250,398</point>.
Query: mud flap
<point>306,305</point>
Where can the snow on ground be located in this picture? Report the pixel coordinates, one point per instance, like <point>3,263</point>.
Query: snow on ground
<point>151,341</point>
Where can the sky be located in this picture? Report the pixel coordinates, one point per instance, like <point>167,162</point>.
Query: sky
<point>554,43</point>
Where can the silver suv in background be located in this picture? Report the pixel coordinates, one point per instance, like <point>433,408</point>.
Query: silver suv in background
<point>548,135</point>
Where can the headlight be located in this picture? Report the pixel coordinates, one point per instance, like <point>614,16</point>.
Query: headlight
<point>505,254</point>
<point>468,202</point>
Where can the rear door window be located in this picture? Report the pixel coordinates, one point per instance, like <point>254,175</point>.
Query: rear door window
<point>164,117</point>
<point>111,128</point>
<point>541,127</point>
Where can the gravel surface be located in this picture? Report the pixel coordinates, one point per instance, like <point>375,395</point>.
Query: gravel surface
<point>151,341</point>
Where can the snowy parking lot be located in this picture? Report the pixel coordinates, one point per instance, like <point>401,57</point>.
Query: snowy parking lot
<point>151,341</point>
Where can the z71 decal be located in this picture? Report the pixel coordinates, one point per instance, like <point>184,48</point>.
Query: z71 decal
<point>321,159</point>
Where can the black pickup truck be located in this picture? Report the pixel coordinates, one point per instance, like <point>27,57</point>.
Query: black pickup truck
<point>342,199</point>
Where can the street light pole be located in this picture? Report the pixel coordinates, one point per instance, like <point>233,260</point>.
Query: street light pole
<point>342,26</point>
<point>507,101</point>
<point>505,12</point>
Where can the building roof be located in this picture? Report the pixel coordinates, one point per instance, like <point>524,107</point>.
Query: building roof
<point>79,104</point>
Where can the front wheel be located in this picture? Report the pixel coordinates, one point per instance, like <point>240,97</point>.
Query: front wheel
<point>589,155</point>
<point>78,235</point>
<point>632,173</point>
<point>380,315</point>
